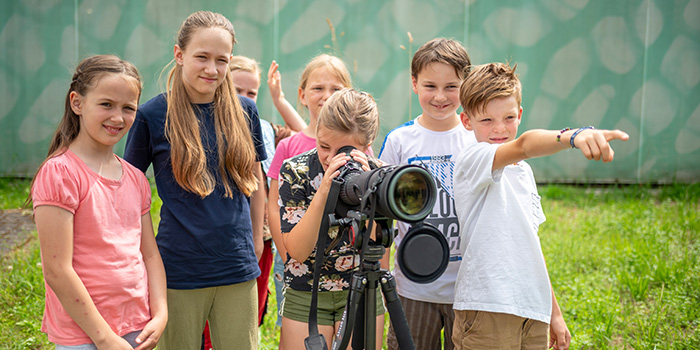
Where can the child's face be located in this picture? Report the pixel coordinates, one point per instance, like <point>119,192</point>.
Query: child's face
<point>246,83</point>
<point>204,62</point>
<point>328,142</point>
<point>498,123</point>
<point>107,110</point>
<point>322,83</point>
<point>437,86</point>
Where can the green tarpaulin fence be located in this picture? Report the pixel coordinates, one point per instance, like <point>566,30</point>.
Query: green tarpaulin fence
<point>628,64</point>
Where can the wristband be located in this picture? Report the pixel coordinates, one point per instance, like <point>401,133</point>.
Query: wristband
<point>571,140</point>
<point>561,132</point>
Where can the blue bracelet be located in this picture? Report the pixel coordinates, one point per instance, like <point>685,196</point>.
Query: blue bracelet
<point>571,140</point>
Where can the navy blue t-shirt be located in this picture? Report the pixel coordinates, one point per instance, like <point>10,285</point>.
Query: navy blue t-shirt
<point>204,242</point>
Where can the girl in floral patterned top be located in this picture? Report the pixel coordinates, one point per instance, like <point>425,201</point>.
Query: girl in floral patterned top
<point>348,118</point>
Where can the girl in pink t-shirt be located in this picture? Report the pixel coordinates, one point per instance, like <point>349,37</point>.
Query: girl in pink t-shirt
<point>105,281</point>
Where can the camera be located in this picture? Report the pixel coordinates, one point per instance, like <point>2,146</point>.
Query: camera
<point>396,192</point>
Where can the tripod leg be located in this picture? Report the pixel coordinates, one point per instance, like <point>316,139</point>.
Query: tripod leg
<point>398,318</point>
<point>357,290</point>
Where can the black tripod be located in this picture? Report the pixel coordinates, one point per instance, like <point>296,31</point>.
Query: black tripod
<point>359,315</point>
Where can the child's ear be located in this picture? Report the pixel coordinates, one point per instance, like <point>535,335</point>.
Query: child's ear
<point>520,114</point>
<point>302,97</point>
<point>177,53</point>
<point>76,103</point>
<point>466,122</point>
<point>414,83</point>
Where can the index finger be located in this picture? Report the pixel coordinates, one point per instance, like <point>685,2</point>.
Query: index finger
<point>616,135</point>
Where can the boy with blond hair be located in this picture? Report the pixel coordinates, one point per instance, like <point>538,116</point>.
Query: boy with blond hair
<point>503,296</point>
<point>431,140</point>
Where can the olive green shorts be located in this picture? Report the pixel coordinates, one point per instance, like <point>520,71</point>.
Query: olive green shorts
<point>331,305</point>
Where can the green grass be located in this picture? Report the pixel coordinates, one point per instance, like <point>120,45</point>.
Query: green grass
<point>623,262</point>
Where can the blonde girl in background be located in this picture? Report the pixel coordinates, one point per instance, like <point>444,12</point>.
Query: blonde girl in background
<point>105,283</point>
<point>205,146</point>
<point>323,75</point>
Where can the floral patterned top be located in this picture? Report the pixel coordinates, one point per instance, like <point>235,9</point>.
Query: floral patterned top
<point>299,179</point>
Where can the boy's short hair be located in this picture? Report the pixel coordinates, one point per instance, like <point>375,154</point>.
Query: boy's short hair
<point>442,50</point>
<point>245,64</point>
<point>487,82</point>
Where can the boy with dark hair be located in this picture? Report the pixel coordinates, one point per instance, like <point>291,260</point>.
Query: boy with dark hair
<point>431,140</point>
<point>503,296</point>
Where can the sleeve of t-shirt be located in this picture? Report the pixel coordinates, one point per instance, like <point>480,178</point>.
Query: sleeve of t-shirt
<point>280,156</point>
<point>473,167</point>
<point>138,151</point>
<point>55,185</point>
<point>254,124</point>
<point>145,188</point>
<point>293,196</point>
<point>388,153</point>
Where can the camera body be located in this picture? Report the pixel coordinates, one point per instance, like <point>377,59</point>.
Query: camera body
<point>395,192</point>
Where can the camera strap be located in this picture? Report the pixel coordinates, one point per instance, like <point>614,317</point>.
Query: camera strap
<point>316,340</point>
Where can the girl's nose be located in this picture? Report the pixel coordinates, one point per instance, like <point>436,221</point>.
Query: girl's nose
<point>210,68</point>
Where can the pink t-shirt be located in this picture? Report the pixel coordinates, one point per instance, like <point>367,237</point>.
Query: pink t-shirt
<point>106,243</point>
<point>288,148</point>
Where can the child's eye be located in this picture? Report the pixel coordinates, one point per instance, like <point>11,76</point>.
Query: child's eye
<point>238,91</point>
<point>252,95</point>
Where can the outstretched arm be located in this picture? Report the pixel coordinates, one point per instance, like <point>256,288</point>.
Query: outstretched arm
<point>286,110</point>
<point>55,229</point>
<point>595,144</point>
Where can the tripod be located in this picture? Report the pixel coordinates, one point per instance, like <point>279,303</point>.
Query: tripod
<point>359,315</point>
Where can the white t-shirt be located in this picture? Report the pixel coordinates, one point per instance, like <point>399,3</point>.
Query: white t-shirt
<point>503,268</point>
<point>411,143</point>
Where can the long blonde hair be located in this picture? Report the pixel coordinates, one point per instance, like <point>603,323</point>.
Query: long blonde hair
<point>236,151</point>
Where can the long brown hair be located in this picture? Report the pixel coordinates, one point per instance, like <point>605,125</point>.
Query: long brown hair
<point>86,76</point>
<point>236,152</point>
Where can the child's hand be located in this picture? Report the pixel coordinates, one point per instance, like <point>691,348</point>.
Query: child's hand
<point>274,81</point>
<point>559,335</point>
<point>114,343</point>
<point>332,171</point>
<point>595,144</point>
<point>150,335</point>
<point>361,158</point>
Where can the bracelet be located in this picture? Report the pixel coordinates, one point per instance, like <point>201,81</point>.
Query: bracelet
<point>561,132</point>
<point>571,140</point>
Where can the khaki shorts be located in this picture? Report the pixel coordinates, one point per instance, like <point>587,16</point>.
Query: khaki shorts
<point>481,329</point>
<point>330,306</point>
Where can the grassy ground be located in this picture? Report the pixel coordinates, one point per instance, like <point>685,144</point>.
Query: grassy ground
<point>623,262</point>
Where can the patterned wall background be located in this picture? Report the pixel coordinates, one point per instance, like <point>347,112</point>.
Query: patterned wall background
<point>628,64</point>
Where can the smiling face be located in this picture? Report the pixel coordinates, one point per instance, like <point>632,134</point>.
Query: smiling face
<point>322,83</point>
<point>497,123</point>
<point>204,62</point>
<point>328,142</point>
<point>106,111</point>
<point>437,86</point>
